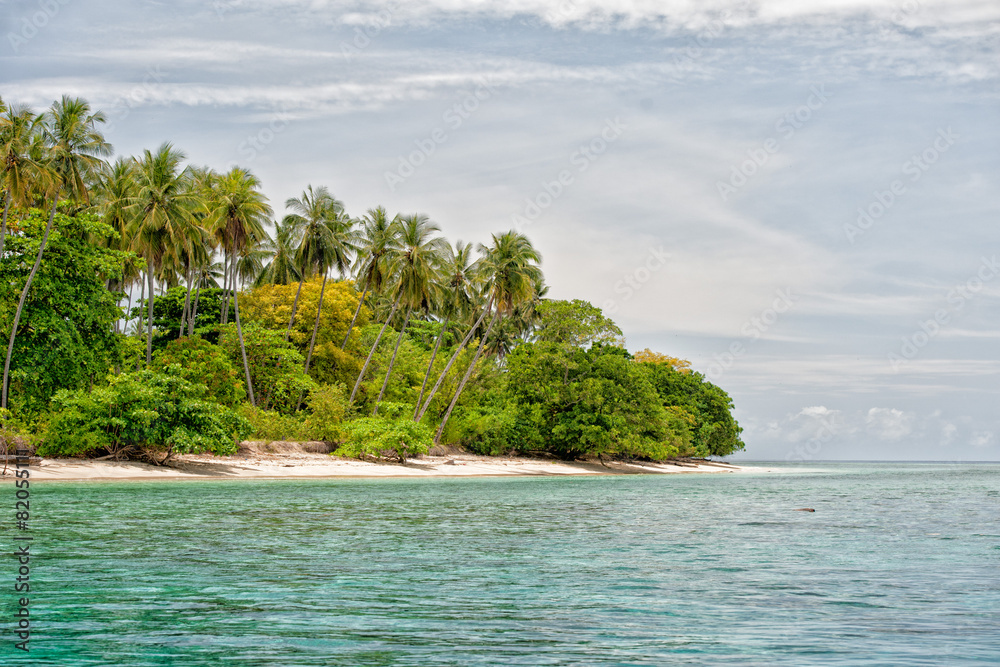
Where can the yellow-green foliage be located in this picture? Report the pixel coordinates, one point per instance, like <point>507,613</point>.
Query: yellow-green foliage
<point>271,307</point>
<point>327,409</point>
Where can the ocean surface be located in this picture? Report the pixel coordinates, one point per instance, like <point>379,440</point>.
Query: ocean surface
<point>898,565</point>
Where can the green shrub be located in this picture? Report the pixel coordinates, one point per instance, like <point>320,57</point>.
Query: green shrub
<point>328,406</point>
<point>271,425</point>
<point>206,364</point>
<point>142,413</point>
<point>391,435</point>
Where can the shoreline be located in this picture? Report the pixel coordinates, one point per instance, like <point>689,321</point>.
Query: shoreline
<point>308,465</point>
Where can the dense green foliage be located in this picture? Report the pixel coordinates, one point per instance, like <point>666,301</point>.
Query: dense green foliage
<point>148,310</point>
<point>142,412</point>
<point>66,338</point>
<point>390,436</point>
<point>201,362</point>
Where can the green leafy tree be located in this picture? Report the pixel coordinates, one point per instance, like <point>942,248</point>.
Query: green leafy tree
<point>202,362</point>
<point>715,430</point>
<point>67,340</point>
<point>389,436</point>
<point>273,364</point>
<point>150,414</point>
<point>73,150</point>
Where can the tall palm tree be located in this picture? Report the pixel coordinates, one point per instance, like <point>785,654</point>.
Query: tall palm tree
<point>206,274</point>
<point>458,275</point>
<point>282,269</point>
<point>377,244</point>
<point>237,210</point>
<point>19,168</point>
<point>417,265</point>
<point>163,224</point>
<point>74,147</point>
<point>305,225</point>
<point>510,268</point>
<point>116,184</point>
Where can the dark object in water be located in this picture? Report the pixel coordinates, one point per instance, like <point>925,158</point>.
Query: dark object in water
<point>805,509</point>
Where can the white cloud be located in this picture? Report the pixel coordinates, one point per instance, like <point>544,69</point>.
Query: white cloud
<point>889,423</point>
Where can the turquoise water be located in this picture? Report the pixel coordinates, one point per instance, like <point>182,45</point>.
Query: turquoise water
<point>899,565</point>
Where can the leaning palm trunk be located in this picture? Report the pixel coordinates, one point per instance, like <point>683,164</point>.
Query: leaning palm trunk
<point>224,317</point>
<point>3,227</point>
<point>128,309</point>
<point>187,305</point>
<point>295,307</point>
<point>319,309</point>
<point>354,319</point>
<point>392,362</point>
<point>371,353</point>
<point>454,358</point>
<point>149,319</point>
<point>465,378</point>
<point>427,375</point>
<point>194,310</point>
<point>20,304</point>
<point>312,341</point>
<point>243,348</point>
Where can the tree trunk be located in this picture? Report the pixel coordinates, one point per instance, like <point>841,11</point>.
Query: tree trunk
<point>194,309</point>
<point>128,309</point>
<point>187,304</point>
<point>319,309</point>
<point>142,312</point>
<point>371,353</point>
<point>465,378</point>
<point>3,227</point>
<point>20,303</point>
<point>295,307</point>
<point>354,319</point>
<point>224,316</point>
<point>427,375</point>
<point>243,349</point>
<point>454,357</point>
<point>149,319</point>
<point>392,362</point>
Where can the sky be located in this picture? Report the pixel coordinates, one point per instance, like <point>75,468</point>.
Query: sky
<point>798,196</point>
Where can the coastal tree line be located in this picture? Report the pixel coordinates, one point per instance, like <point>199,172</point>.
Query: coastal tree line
<point>152,306</point>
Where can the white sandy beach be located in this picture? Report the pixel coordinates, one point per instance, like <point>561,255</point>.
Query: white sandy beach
<point>256,462</point>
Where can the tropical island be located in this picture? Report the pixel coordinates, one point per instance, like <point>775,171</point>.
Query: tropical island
<point>152,308</point>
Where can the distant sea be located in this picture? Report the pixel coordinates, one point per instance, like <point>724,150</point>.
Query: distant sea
<point>898,565</point>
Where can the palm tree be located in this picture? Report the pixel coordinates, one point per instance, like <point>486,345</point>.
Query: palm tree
<point>417,265</point>
<point>310,212</point>
<point>116,188</point>
<point>74,147</point>
<point>206,274</point>
<point>282,270</point>
<point>236,210</point>
<point>378,243</point>
<point>162,225</point>
<point>19,133</point>
<point>459,277</point>
<point>510,267</point>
